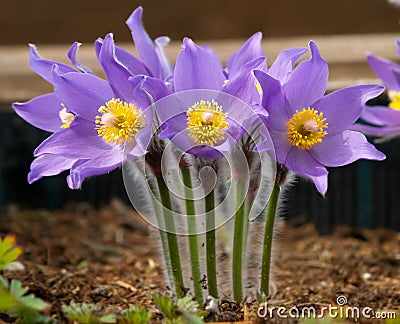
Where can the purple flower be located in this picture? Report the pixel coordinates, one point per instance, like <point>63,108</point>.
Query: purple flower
<point>93,121</point>
<point>383,121</point>
<point>209,109</point>
<point>310,130</point>
<point>48,113</point>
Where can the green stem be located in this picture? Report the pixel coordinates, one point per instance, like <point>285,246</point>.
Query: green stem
<point>193,238</point>
<point>210,246</point>
<point>268,234</point>
<point>238,241</point>
<point>171,237</point>
<point>163,235</point>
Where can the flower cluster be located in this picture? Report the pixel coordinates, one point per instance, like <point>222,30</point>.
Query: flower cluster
<point>206,111</point>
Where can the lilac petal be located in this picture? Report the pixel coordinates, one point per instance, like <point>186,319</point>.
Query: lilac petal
<point>79,141</point>
<point>303,163</point>
<point>398,46</point>
<point>243,85</point>
<point>149,90</point>
<point>249,51</point>
<point>48,165</point>
<point>134,65</point>
<point>82,93</point>
<point>196,68</point>
<point>343,107</point>
<point>387,132</point>
<point>101,164</point>
<point>274,101</point>
<point>162,42</point>
<point>381,116</point>
<point>116,73</point>
<point>344,148</point>
<point>307,83</point>
<point>144,44</point>
<point>41,112</point>
<point>45,67</point>
<point>383,69</point>
<point>72,57</point>
<point>284,63</point>
<point>281,144</point>
<point>321,183</point>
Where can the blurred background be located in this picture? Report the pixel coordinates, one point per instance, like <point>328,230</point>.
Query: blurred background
<point>49,21</point>
<point>364,194</point>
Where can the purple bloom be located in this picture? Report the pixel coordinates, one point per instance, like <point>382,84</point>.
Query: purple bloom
<point>93,121</point>
<point>209,109</point>
<point>383,121</point>
<point>310,130</point>
<point>47,112</point>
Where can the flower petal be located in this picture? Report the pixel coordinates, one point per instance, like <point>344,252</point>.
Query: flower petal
<point>162,42</point>
<point>249,51</point>
<point>384,70</point>
<point>343,107</point>
<point>82,93</point>
<point>143,43</point>
<point>72,57</point>
<point>101,164</point>
<point>283,65</point>
<point>196,68</point>
<point>344,148</point>
<point>381,116</point>
<point>45,67</point>
<point>387,132</point>
<point>308,81</point>
<point>273,101</point>
<point>48,165</point>
<point>303,163</point>
<point>116,73</point>
<point>41,112</point>
<point>321,183</point>
<point>79,141</point>
<point>243,84</point>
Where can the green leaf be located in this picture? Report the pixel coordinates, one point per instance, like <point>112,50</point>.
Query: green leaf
<point>9,252</point>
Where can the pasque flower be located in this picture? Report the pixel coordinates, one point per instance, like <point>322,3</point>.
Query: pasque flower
<point>309,130</point>
<point>209,108</point>
<point>384,121</point>
<point>92,120</point>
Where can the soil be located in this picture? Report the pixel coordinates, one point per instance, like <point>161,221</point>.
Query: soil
<point>105,256</point>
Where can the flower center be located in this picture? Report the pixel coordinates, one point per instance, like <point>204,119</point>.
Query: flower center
<point>206,122</point>
<point>306,128</point>
<point>65,117</point>
<point>394,97</point>
<point>119,121</point>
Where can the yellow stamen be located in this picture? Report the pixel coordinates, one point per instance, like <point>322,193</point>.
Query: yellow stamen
<point>206,122</point>
<point>119,121</point>
<point>394,97</point>
<point>306,128</point>
<point>259,89</point>
<point>66,117</point>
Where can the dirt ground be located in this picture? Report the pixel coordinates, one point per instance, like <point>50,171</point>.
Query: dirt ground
<point>106,257</point>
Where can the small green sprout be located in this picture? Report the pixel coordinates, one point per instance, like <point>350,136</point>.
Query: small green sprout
<point>84,313</point>
<point>184,310</point>
<point>135,315</point>
<point>9,252</point>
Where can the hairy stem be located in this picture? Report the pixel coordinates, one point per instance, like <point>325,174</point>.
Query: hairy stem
<point>171,237</point>
<point>268,234</point>
<point>210,246</point>
<point>193,237</point>
<point>238,241</point>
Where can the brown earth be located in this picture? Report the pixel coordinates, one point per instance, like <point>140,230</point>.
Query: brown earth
<point>106,257</point>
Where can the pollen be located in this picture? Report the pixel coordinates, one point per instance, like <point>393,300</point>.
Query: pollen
<point>66,117</point>
<point>119,121</point>
<point>206,122</point>
<point>306,128</point>
<point>394,97</point>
